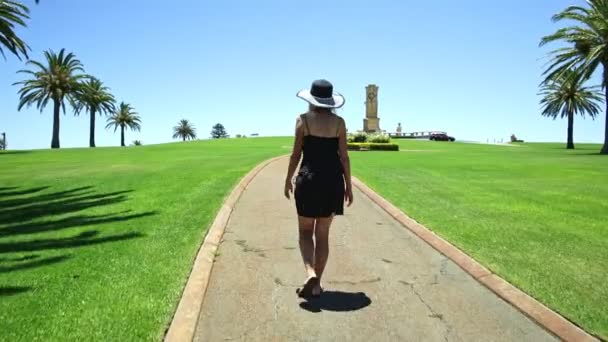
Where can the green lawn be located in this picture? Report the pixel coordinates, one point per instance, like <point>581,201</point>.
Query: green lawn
<point>537,214</point>
<point>96,244</point>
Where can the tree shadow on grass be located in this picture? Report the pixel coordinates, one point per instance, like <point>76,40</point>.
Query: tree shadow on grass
<point>336,301</point>
<point>64,202</point>
<point>10,191</point>
<point>83,239</point>
<point>15,202</point>
<point>13,290</point>
<point>69,222</point>
<point>14,152</point>
<point>34,264</point>
<point>587,154</point>
<point>24,258</point>
<point>29,211</point>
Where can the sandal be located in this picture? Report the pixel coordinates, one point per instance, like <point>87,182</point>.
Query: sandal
<point>306,290</point>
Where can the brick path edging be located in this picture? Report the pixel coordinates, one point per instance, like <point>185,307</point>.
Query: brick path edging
<point>183,325</point>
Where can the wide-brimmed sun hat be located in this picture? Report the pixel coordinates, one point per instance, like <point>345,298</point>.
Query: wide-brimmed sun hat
<point>321,94</point>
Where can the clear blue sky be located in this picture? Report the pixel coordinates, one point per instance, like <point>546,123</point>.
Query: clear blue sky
<point>468,67</point>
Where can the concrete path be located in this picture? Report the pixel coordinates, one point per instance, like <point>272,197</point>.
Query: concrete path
<point>382,283</point>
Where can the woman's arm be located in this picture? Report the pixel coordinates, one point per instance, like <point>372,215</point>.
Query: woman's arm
<point>345,160</point>
<point>296,154</point>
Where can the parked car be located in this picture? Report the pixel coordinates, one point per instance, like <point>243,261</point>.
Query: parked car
<point>441,137</point>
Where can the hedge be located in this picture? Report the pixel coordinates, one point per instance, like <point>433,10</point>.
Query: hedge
<point>372,147</point>
<point>362,137</point>
<point>379,138</point>
<point>404,137</point>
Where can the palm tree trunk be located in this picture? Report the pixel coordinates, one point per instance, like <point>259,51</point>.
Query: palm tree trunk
<point>184,138</point>
<point>92,129</point>
<point>605,147</point>
<point>122,136</point>
<point>56,109</point>
<point>570,144</point>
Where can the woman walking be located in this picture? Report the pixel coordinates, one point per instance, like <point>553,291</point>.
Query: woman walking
<point>323,182</point>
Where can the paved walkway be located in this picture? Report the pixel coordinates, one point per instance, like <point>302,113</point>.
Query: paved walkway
<point>382,283</point>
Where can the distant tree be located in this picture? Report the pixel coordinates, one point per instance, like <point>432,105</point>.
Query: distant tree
<point>96,99</point>
<point>584,46</point>
<point>3,142</point>
<point>218,131</point>
<point>124,117</point>
<point>566,96</point>
<point>184,130</point>
<point>55,81</point>
<point>137,143</point>
<point>514,139</point>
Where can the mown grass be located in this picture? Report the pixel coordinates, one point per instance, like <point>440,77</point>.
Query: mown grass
<point>96,244</point>
<point>536,214</point>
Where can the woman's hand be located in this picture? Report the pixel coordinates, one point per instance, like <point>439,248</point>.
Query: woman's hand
<point>348,195</point>
<point>288,188</point>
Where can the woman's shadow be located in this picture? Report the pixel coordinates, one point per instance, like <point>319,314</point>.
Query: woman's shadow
<point>336,301</point>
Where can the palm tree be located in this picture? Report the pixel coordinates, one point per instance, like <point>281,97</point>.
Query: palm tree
<point>566,96</point>
<point>12,14</point>
<point>184,130</point>
<point>55,82</point>
<point>94,98</point>
<point>586,46</point>
<point>124,117</point>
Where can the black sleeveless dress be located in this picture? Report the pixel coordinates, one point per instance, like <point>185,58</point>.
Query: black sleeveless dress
<point>320,182</point>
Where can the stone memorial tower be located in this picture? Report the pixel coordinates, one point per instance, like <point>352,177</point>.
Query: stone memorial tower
<point>371,123</point>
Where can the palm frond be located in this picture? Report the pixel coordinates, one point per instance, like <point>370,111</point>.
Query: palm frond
<point>586,41</point>
<point>184,130</point>
<point>57,79</point>
<point>93,96</point>
<point>566,94</point>
<point>12,14</point>
<point>124,116</point>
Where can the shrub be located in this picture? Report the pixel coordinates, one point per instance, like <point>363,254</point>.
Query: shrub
<point>359,137</point>
<point>379,138</point>
<point>218,131</point>
<point>372,147</point>
<point>384,147</point>
<point>355,146</point>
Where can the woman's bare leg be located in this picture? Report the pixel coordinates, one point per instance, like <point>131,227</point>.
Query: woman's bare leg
<point>321,248</point>
<point>307,246</point>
